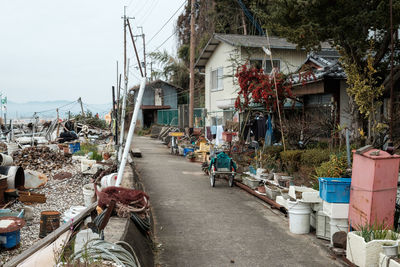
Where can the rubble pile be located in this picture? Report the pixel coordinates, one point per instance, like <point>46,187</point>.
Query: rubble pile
<point>61,195</point>
<point>41,159</point>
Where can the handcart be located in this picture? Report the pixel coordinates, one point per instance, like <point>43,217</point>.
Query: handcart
<point>221,164</point>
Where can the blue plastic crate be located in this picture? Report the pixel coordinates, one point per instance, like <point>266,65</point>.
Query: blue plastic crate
<point>335,190</point>
<point>187,150</point>
<point>74,147</point>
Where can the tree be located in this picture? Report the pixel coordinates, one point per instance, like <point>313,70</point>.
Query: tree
<point>360,30</point>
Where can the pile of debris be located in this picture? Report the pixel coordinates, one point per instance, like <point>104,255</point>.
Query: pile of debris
<point>41,159</point>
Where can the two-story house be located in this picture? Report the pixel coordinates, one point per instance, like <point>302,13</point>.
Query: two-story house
<point>224,53</point>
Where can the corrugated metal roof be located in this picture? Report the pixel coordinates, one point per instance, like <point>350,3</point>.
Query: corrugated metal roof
<point>156,83</point>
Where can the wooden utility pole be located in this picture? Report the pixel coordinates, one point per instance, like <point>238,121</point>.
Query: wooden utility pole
<point>114,115</point>
<point>192,46</point>
<point>144,51</point>
<point>80,102</point>
<point>134,47</point>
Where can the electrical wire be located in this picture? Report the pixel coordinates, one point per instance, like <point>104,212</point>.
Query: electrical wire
<point>166,40</point>
<point>162,27</point>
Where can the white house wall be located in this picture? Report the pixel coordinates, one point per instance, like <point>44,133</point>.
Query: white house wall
<point>290,60</point>
<point>220,58</point>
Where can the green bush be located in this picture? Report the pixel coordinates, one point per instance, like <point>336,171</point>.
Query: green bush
<point>335,167</point>
<point>314,157</point>
<point>291,160</point>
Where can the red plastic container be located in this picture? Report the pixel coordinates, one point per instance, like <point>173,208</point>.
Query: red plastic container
<point>370,207</point>
<point>373,188</point>
<point>375,172</point>
<point>227,136</point>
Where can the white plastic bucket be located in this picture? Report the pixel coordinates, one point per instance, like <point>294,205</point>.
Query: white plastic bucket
<point>299,217</point>
<point>109,180</point>
<point>338,225</point>
<point>89,195</point>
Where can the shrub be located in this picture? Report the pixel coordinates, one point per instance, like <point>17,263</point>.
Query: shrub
<point>291,159</point>
<point>314,157</point>
<point>335,167</point>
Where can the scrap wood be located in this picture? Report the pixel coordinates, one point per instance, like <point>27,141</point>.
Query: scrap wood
<point>31,197</point>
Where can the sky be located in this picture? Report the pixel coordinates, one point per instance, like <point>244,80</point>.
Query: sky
<point>63,50</point>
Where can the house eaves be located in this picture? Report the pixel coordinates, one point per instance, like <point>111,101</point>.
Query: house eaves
<point>250,41</point>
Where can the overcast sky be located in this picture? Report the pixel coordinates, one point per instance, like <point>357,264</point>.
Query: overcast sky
<point>62,50</point>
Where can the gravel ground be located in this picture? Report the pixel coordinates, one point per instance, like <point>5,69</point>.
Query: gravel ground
<point>60,194</point>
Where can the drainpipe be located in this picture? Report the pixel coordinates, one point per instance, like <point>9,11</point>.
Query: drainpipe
<point>131,131</point>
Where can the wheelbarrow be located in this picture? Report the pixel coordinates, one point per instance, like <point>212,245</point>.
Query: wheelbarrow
<point>221,165</point>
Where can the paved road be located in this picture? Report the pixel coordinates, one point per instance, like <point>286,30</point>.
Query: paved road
<point>197,225</point>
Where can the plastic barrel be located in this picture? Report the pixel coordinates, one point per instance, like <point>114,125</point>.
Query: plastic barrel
<point>299,217</point>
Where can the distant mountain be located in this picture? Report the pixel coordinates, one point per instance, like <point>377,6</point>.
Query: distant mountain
<point>48,109</point>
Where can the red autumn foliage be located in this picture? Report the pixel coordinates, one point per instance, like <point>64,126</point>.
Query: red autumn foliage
<point>259,88</point>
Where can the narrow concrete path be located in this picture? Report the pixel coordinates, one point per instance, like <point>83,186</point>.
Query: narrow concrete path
<point>197,225</point>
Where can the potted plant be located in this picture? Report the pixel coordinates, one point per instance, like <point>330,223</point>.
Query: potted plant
<point>364,246</point>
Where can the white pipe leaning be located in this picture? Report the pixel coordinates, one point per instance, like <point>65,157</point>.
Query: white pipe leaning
<point>129,138</point>
<point>123,112</point>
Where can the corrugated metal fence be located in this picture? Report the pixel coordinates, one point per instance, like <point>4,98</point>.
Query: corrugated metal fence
<point>171,117</point>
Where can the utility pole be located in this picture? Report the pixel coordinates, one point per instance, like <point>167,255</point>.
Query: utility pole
<point>80,102</point>
<point>192,45</point>
<point>144,51</point>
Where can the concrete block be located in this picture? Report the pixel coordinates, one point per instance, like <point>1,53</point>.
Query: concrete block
<point>336,210</point>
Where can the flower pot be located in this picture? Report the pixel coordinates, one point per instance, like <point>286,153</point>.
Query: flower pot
<point>363,253</point>
<point>390,249</point>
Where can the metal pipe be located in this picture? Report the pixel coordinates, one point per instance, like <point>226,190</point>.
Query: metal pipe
<point>269,201</point>
<point>129,138</point>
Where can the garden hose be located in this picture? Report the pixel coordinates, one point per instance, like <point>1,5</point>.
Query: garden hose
<point>97,249</point>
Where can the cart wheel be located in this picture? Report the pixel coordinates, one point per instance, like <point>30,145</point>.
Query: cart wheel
<point>231,179</point>
<point>212,176</point>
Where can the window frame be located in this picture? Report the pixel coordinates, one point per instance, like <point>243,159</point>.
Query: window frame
<point>215,86</point>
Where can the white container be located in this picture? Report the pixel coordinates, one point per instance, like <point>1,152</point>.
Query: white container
<point>323,228</point>
<point>385,261</point>
<point>361,253</point>
<point>337,225</point>
<point>282,201</point>
<point>336,210</point>
<point>89,195</point>
<point>308,195</point>
<point>272,191</point>
<point>109,180</point>
<point>299,217</point>
<point>88,166</point>
<point>250,182</point>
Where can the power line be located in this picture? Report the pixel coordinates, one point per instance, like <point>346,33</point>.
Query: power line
<point>162,27</point>
<point>166,40</point>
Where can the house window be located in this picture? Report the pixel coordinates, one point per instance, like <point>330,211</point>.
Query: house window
<point>216,79</point>
<point>258,64</point>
